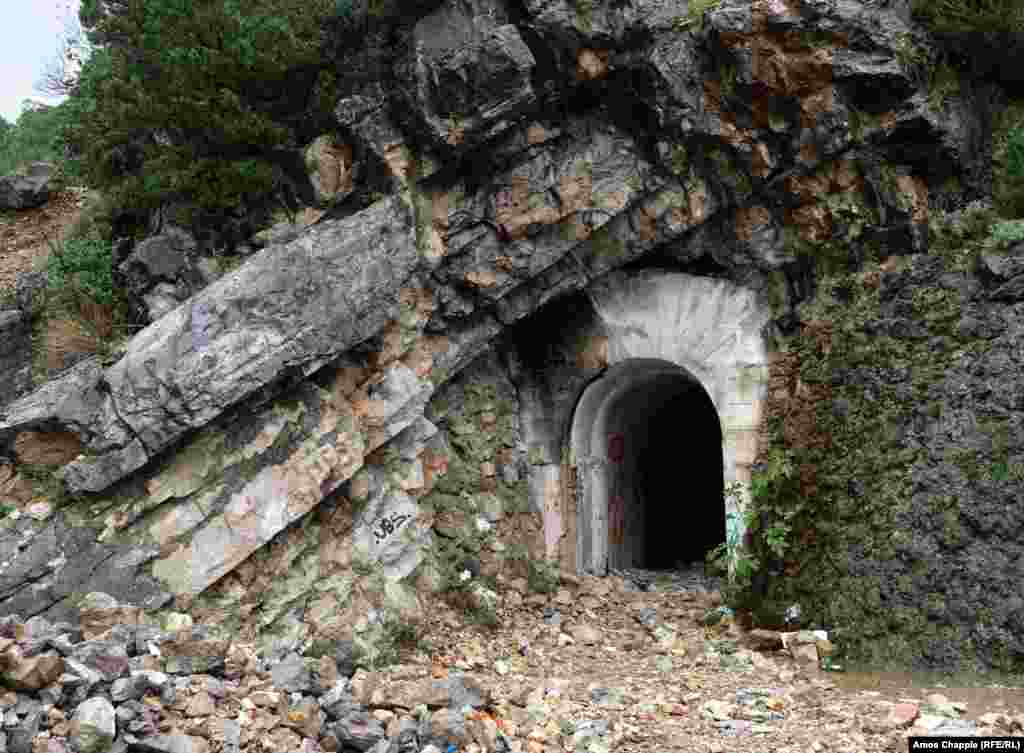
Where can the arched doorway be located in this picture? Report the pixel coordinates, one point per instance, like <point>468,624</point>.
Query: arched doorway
<point>647,445</point>
<point>674,419</point>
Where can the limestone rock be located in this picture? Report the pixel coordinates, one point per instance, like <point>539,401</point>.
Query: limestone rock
<point>201,358</point>
<point>99,612</point>
<point>31,672</point>
<point>93,726</point>
<point>467,76</point>
<point>330,169</point>
<point>15,355</point>
<point>28,187</point>
<point>160,257</point>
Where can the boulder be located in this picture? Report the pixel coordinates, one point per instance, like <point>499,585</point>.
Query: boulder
<point>467,77</point>
<point>93,726</point>
<point>159,257</point>
<point>28,187</point>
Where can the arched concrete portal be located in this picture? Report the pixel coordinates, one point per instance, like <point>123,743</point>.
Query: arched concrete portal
<point>673,419</point>
<point>648,450</point>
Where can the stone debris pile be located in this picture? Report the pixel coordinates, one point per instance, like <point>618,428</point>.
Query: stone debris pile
<point>592,666</point>
<point>176,688</point>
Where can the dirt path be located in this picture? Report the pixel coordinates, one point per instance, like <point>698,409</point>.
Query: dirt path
<point>23,234</point>
<point>611,668</point>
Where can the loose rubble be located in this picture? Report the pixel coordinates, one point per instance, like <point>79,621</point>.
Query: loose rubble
<point>598,665</point>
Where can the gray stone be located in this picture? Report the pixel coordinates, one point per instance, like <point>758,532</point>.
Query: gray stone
<point>232,736</point>
<point>220,437</point>
<point>123,689</point>
<point>108,658</point>
<point>468,74</point>
<point>28,187</point>
<point>20,735</point>
<point>465,691</point>
<point>291,674</point>
<point>80,674</point>
<point>29,291</point>
<point>162,299</point>
<point>319,295</point>
<point>15,355</point>
<point>337,702</point>
<point>169,744</point>
<point>94,726</point>
<point>346,655</point>
<point>71,401</point>
<point>159,257</point>
<point>358,730</point>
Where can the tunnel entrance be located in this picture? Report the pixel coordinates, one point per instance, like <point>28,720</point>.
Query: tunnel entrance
<point>647,448</point>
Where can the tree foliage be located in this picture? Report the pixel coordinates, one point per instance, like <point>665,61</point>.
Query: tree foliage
<point>174,101</point>
<point>970,15</point>
<point>31,139</point>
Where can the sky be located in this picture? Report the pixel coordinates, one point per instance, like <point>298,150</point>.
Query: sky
<point>29,39</point>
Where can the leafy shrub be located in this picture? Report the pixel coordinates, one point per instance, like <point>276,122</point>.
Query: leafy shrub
<point>1008,162</point>
<point>1008,232</point>
<point>86,264</point>
<point>1015,154</point>
<point>716,561</point>
<point>970,15</point>
<point>31,138</point>
<point>541,577</point>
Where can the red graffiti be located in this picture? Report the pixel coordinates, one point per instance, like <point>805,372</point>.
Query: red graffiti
<point>616,519</point>
<point>616,447</point>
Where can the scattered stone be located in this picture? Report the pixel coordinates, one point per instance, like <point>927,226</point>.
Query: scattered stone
<point>93,726</point>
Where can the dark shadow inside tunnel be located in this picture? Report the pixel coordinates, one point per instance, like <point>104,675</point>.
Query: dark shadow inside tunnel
<point>680,475</point>
<point>648,447</point>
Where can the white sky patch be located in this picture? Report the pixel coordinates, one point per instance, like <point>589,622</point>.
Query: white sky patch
<point>29,40</point>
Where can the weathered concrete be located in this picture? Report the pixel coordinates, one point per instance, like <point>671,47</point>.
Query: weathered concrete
<point>664,330</point>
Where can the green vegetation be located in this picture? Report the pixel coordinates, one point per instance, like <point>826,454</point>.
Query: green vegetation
<point>680,161</point>
<point>913,58</point>
<point>970,15</point>
<point>728,80</point>
<point>945,81</point>
<point>1007,232</point>
<point>1008,161</point>
<point>776,510</point>
<point>83,263</point>
<point>193,91</point>
<point>824,499</point>
<point>694,15</point>
<point>585,10</point>
<point>397,635</point>
<point>542,576</point>
<point>31,138</point>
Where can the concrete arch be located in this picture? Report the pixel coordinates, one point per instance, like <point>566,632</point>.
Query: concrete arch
<point>671,337</point>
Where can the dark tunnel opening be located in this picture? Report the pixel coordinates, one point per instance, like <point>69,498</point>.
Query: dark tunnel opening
<point>682,481</point>
<point>648,442</point>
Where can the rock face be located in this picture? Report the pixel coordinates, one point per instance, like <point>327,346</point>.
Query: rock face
<point>27,188</point>
<point>596,224</point>
<point>15,355</point>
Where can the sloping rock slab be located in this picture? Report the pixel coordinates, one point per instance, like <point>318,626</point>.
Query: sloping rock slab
<point>290,307</point>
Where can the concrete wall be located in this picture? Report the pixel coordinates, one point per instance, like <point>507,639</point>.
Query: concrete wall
<point>644,332</point>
